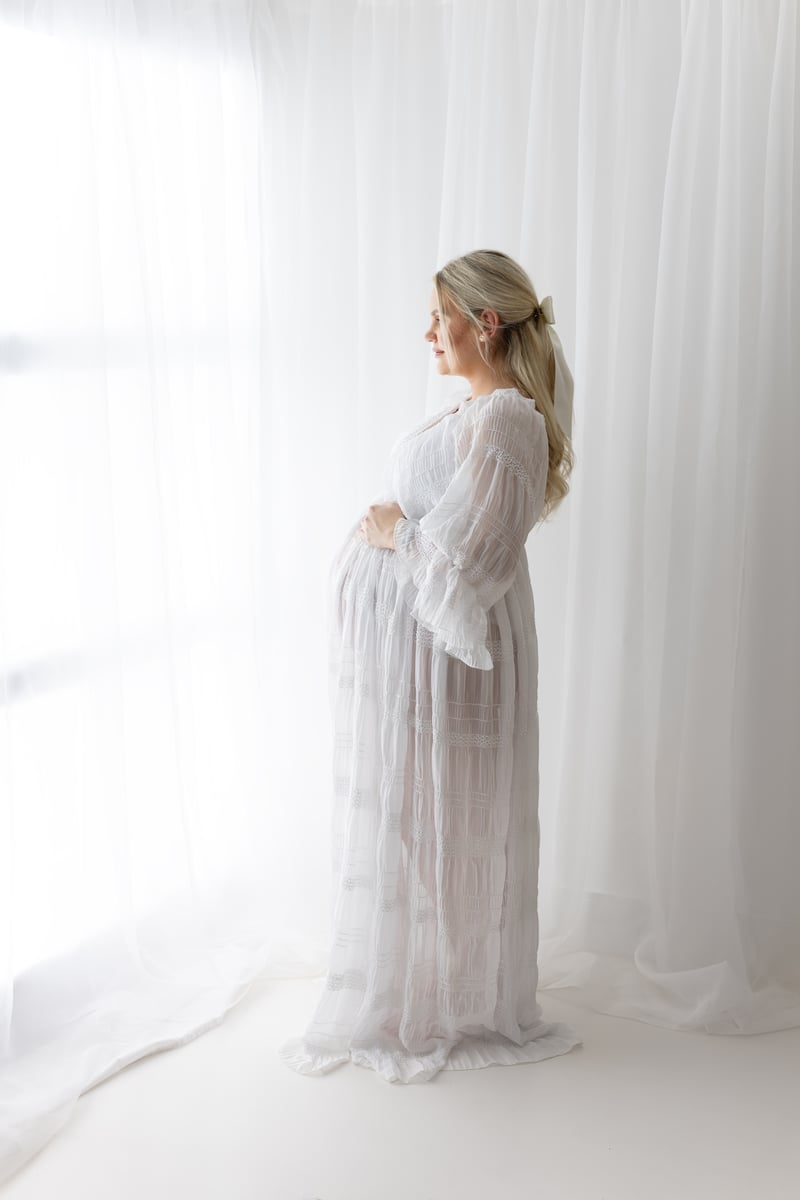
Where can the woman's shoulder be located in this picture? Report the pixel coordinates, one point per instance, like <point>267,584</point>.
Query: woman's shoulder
<point>512,426</point>
<point>508,404</point>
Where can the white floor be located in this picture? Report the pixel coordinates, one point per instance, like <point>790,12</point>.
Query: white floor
<point>636,1113</point>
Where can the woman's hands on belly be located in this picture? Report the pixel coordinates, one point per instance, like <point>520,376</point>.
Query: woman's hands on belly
<point>377,525</point>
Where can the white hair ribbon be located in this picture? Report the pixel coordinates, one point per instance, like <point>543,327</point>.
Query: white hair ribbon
<point>546,306</point>
<point>564,386</point>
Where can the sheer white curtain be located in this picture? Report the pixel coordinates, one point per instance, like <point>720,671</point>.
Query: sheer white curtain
<point>217,230</point>
<point>674,774</point>
<point>142,864</point>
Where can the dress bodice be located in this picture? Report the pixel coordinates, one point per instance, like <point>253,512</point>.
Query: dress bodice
<point>423,462</point>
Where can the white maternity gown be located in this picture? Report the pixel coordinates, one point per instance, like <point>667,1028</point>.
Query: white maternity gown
<point>433,684</point>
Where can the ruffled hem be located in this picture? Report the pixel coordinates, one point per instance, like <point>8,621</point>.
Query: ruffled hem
<point>464,1054</point>
<point>474,1053</point>
<point>300,1057</point>
<point>442,600</point>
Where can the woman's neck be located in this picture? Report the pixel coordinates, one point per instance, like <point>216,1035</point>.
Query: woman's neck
<point>485,384</point>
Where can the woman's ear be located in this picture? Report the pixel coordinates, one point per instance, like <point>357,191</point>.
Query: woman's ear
<point>489,321</point>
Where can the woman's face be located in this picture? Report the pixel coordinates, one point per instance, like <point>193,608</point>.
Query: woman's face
<point>463,355</point>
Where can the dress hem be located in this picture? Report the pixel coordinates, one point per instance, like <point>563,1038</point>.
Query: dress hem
<point>466,1054</point>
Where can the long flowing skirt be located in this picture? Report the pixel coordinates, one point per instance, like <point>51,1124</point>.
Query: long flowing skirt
<point>435,837</point>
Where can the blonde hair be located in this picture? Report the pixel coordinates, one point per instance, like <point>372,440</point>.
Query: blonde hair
<point>491,279</point>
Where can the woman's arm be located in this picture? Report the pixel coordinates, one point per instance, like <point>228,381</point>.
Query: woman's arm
<point>460,558</point>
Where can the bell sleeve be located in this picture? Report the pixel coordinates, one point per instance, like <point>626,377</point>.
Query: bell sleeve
<point>460,558</point>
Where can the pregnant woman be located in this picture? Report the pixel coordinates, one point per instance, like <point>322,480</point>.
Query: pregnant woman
<point>434,672</point>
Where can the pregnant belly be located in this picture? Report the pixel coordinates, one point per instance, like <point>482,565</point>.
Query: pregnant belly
<point>346,572</point>
<point>361,578</point>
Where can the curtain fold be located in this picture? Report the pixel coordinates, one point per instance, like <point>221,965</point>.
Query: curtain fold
<point>218,228</point>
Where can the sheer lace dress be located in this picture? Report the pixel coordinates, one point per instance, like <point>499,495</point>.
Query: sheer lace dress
<point>433,686</point>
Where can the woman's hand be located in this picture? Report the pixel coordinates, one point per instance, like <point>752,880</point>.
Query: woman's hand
<point>377,525</point>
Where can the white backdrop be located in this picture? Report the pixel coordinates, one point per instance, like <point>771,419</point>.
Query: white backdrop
<point>218,228</point>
